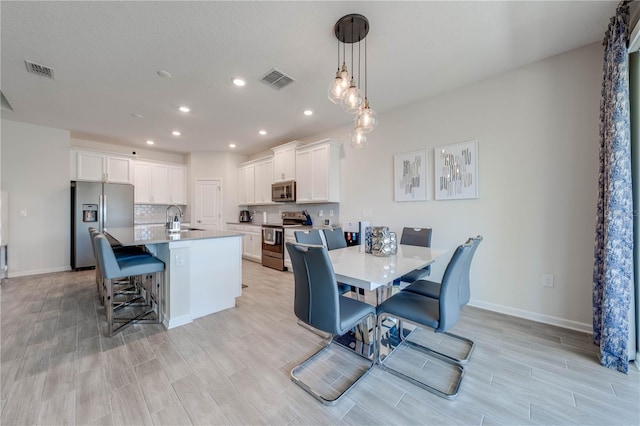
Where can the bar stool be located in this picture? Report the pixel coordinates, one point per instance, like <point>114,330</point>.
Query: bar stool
<point>150,268</point>
<point>121,253</point>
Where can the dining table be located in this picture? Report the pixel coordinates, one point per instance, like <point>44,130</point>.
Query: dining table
<point>355,267</point>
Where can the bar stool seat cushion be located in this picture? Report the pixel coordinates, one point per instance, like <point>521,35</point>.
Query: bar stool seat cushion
<point>140,265</point>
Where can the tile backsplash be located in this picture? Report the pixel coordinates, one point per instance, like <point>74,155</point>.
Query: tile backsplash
<point>153,213</point>
<point>274,212</point>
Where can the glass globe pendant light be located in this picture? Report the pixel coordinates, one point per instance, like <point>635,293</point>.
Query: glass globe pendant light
<point>358,139</point>
<point>341,83</point>
<point>351,99</point>
<point>366,119</point>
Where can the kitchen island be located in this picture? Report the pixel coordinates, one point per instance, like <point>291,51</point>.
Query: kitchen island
<point>203,269</point>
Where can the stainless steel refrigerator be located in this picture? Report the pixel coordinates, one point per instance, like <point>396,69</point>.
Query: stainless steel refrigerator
<point>98,205</point>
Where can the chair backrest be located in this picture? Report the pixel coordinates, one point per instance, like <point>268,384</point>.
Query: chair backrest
<point>92,233</point>
<point>464,290</point>
<point>451,281</point>
<point>334,238</point>
<point>106,258</point>
<point>416,237</point>
<point>315,300</point>
<point>311,236</point>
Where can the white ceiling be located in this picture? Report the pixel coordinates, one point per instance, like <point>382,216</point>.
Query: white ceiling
<point>106,56</point>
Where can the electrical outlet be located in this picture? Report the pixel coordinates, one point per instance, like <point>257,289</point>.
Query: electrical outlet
<point>330,212</point>
<point>23,213</point>
<point>547,280</point>
<point>179,260</point>
<point>320,213</point>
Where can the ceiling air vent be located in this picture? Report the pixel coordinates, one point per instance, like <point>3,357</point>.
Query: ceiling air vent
<point>276,79</point>
<point>40,70</point>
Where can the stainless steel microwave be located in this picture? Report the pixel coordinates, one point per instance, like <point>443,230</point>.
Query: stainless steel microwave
<point>283,191</point>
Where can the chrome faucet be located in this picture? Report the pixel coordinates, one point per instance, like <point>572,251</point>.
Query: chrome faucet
<point>168,218</point>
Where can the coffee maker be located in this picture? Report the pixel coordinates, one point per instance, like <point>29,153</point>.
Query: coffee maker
<point>245,216</point>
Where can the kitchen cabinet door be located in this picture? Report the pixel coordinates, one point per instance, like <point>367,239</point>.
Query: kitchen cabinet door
<point>142,183</point>
<point>263,181</point>
<point>178,176</point>
<point>303,176</point>
<point>91,166</point>
<point>318,172</point>
<point>160,183</point>
<point>284,162</point>
<point>246,175</point>
<point>118,169</point>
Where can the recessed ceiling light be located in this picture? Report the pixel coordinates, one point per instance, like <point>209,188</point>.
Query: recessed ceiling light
<point>238,82</point>
<point>263,132</point>
<point>150,142</point>
<point>164,74</point>
<point>308,112</point>
<point>184,109</point>
<point>136,115</point>
<point>176,133</point>
<point>232,145</point>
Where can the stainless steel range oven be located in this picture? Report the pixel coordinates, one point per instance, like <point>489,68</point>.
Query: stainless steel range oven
<point>273,247</point>
<point>273,239</point>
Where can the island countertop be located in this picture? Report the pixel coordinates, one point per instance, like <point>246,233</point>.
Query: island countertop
<point>157,234</point>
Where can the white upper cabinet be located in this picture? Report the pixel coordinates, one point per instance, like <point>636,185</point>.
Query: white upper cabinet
<point>284,162</point>
<point>178,184</point>
<point>160,183</point>
<point>263,181</point>
<point>246,176</point>
<point>103,167</point>
<point>255,179</point>
<point>318,172</point>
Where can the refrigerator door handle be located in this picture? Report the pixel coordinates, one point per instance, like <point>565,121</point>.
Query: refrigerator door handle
<point>104,211</point>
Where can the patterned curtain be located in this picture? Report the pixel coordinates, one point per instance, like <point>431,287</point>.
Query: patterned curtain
<point>613,254</point>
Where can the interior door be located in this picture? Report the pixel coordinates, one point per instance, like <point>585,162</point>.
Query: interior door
<point>207,204</point>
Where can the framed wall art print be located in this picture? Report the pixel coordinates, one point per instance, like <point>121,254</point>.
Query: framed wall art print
<point>456,171</point>
<point>410,176</point>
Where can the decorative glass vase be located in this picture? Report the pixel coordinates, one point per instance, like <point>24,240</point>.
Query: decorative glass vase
<point>380,241</point>
<point>394,242</point>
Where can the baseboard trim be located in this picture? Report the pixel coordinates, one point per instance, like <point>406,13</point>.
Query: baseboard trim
<point>38,271</point>
<point>176,322</point>
<point>533,316</point>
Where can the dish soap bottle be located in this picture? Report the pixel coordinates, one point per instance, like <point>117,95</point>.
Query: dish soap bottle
<point>175,226</point>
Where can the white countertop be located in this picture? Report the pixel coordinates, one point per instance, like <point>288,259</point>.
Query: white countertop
<point>157,234</point>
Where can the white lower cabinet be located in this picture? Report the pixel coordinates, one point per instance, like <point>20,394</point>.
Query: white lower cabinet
<point>251,240</point>
<point>289,237</point>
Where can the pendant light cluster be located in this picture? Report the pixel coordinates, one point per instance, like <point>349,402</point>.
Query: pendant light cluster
<point>344,90</point>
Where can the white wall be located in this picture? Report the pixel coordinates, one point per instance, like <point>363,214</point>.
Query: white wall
<point>216,165</point>
<point>537,129</point>
<point>35,171</point>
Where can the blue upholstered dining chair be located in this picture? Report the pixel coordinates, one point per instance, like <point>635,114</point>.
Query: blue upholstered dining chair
<point>313,237</point>
<point>415,237</point>
<point>432,289</point>
<point>318,304</point>
<point>334,238</point>
<point>421,311</point>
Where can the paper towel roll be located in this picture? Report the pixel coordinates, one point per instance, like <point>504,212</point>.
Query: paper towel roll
<point>264,217</point>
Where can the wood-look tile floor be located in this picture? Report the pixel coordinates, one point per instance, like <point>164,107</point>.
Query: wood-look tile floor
<point>232,367</point>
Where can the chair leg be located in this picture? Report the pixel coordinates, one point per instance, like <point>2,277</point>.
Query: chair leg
<point>462,360</point>
<point>444,393</point>
<point>325,400</point>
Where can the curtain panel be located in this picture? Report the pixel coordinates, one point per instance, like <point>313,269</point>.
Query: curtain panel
<point>613,253</point>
